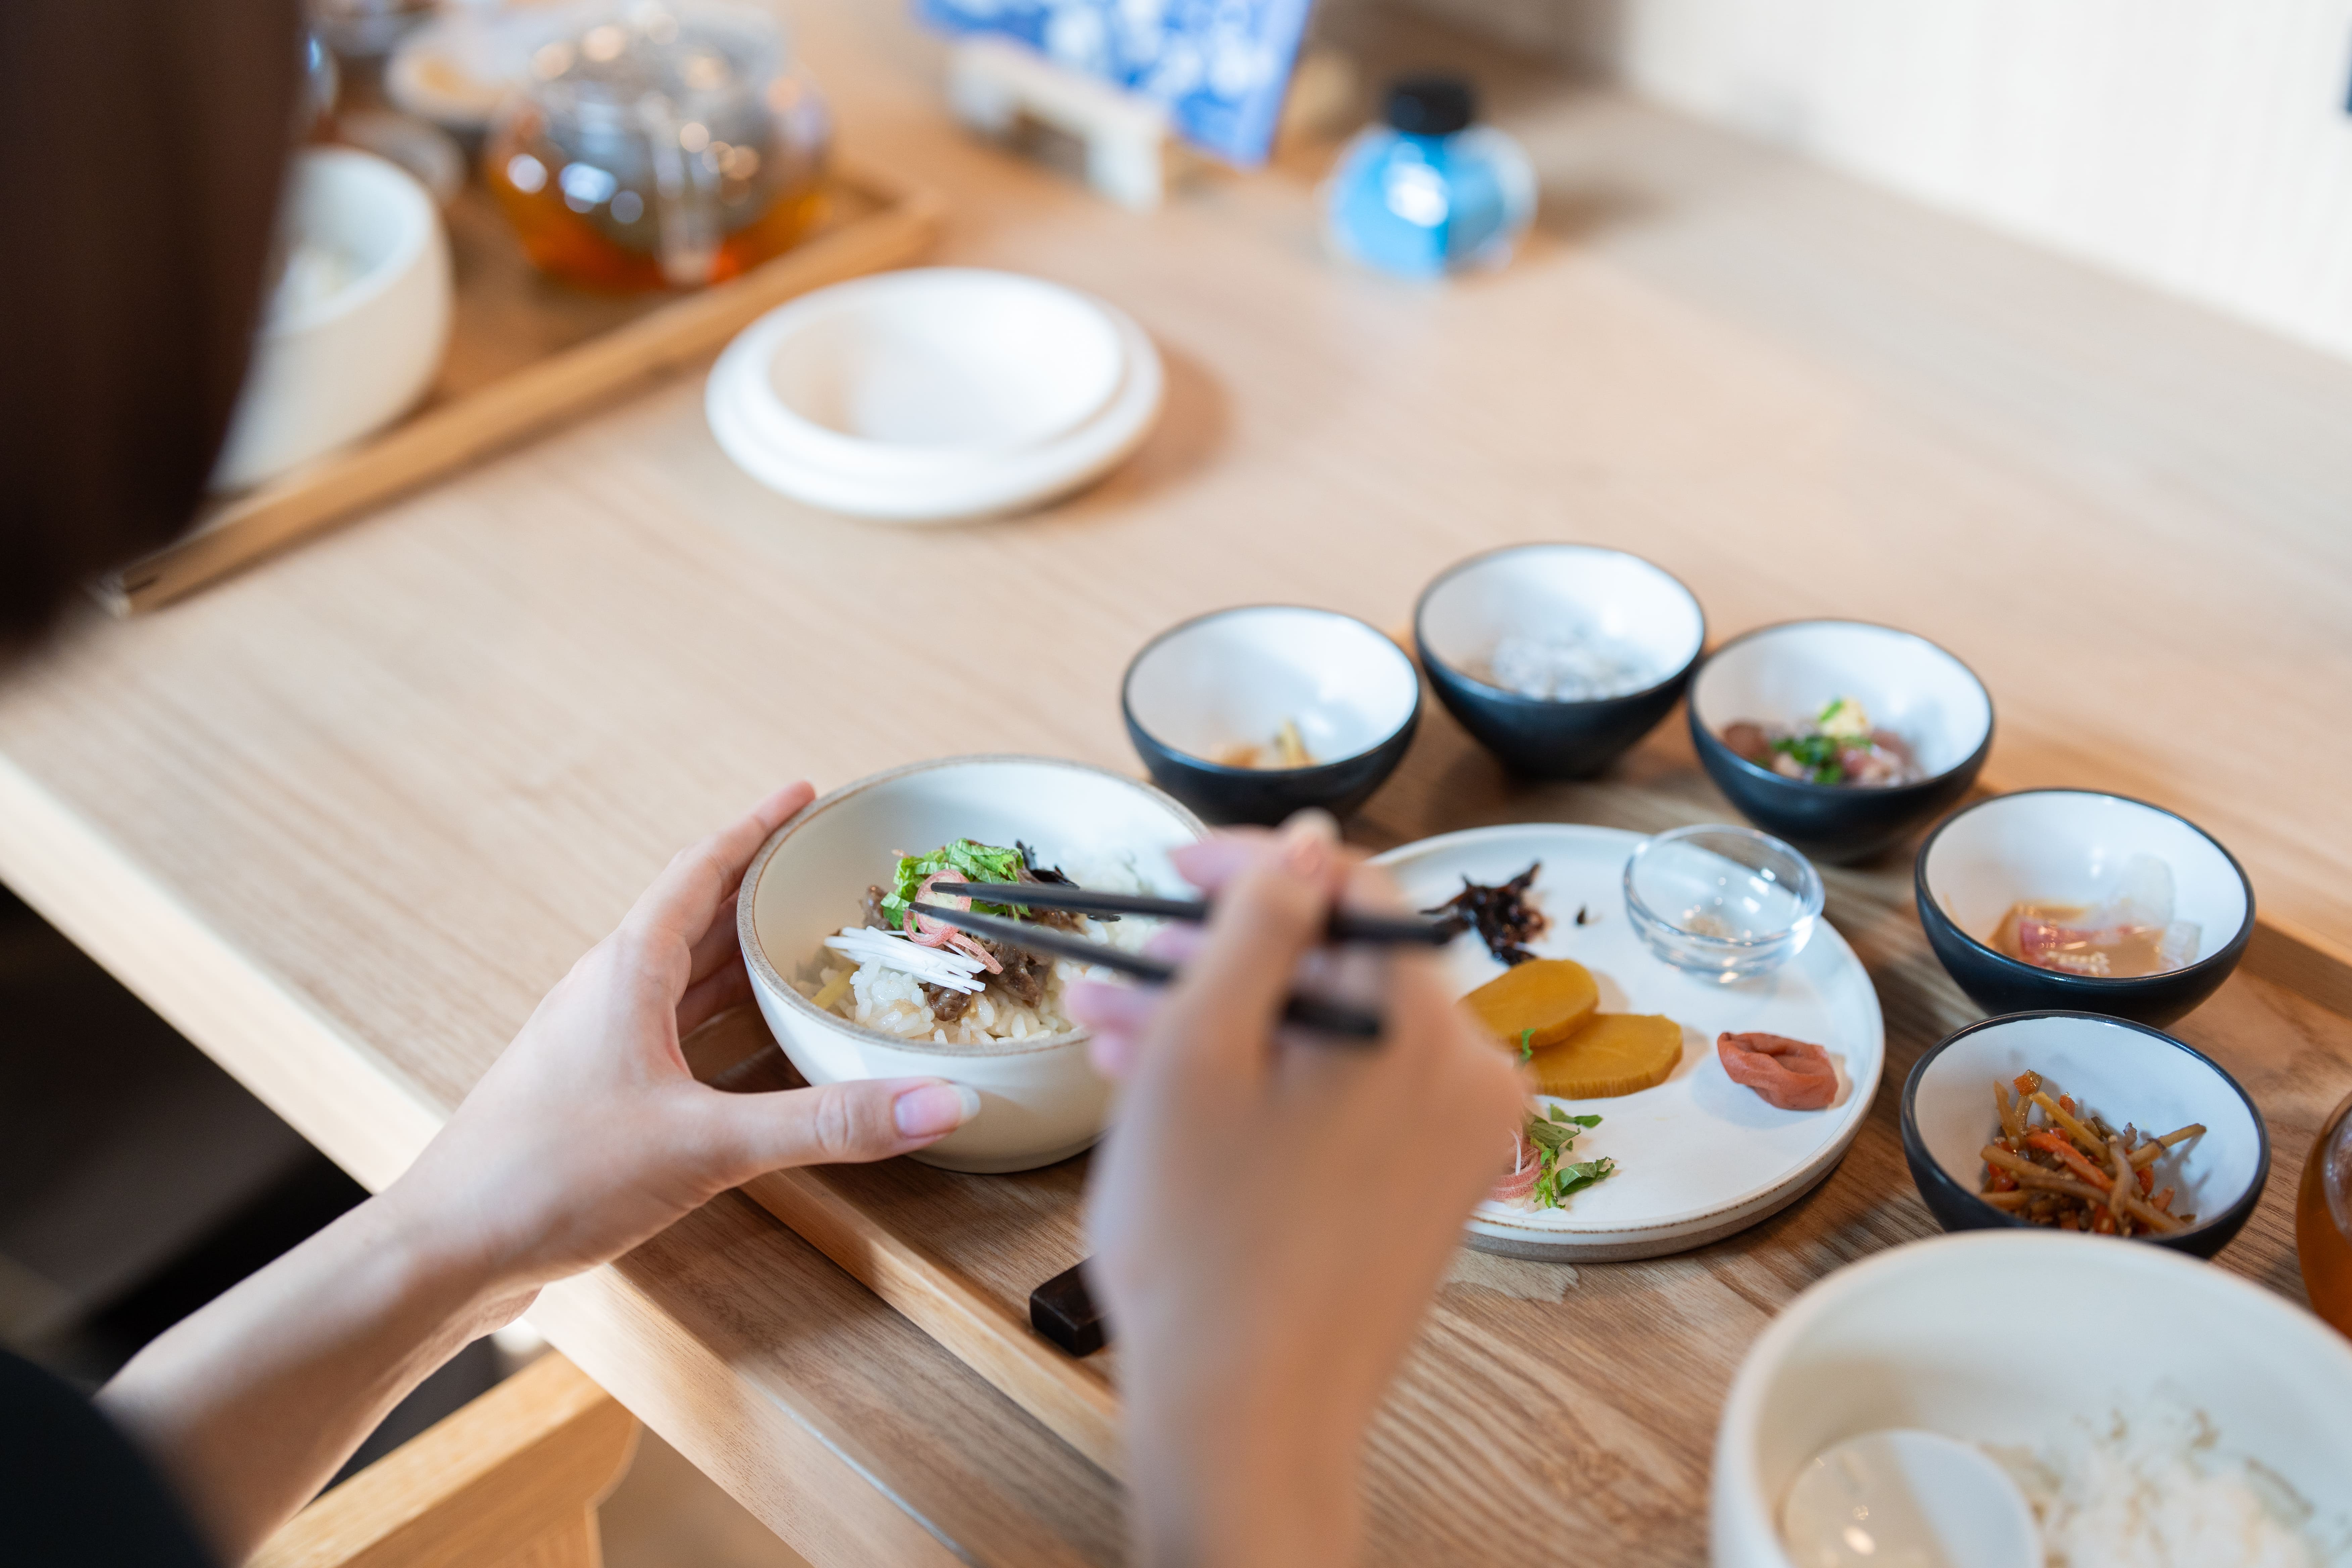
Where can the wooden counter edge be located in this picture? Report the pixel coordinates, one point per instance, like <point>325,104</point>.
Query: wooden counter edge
<point>327,1086</point>
<point>1073,1403</point>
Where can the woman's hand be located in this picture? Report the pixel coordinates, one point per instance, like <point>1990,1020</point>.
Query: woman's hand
<point>1272,1211</point>
<point>587,1136</point>
<point>590,1134</point>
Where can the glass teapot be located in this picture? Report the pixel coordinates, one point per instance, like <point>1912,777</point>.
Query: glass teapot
<point>659,146</point>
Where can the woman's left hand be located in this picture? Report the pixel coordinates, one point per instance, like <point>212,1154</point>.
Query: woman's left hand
<point>590,1134</point>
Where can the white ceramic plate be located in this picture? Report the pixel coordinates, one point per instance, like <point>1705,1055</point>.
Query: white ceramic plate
<point>1699,1157</point>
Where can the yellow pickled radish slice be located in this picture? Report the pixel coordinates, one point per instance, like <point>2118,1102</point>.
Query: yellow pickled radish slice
<point>1616,1053</point>
<point>1552,997</point>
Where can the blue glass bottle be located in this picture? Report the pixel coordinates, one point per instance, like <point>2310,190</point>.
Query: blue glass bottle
<point>1429,192</point>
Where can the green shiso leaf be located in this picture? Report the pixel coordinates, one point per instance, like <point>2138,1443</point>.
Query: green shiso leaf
<point>971,861</point>
<point>1571,1178</point>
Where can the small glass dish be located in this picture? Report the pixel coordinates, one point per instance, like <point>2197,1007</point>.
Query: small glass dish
<point>1721,901</point>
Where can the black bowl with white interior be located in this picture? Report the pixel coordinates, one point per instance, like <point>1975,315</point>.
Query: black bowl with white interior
<point>1232,678</point>
<point>2122,1071</point>
<point>2078,847</point>
<point>1557,657</point>
<point>1782,674</point>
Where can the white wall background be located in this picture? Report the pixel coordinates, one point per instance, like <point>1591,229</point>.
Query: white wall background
<point>2200,145</point>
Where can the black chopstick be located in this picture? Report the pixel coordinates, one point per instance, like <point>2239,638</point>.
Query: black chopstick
<point>1339,1019</point>
<point>1347,925</point>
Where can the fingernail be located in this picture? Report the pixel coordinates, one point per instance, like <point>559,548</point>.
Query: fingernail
<point>934,1109</point>
<point>1306,840</point>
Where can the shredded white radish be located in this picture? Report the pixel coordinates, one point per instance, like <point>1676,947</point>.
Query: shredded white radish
<point>939,966</point>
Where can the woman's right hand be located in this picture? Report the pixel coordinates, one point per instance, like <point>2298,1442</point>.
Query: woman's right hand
<point>1273,1211</point>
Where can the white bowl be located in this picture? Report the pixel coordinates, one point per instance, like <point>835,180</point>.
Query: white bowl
<point>2075,846</point>
<point>2072,847</point>
<point>331,371</point>
<point>1786,674</point>
<point>935,394</point>
<point>1237,675</point>
<point>1041,1100</point>
<point>1918,1337</point>
<point>2124,1072</point>
<point>1535,590</point>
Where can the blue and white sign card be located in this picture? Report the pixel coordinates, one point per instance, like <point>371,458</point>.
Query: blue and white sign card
<point>1220,66</point>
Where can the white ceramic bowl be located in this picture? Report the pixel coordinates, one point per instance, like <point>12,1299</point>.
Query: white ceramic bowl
<point>935,393</point>
<point>1918,1337</point>
<point>1040,1100</point>
<point>336,368</point>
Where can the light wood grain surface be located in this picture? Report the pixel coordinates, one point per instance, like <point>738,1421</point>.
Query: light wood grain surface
<point>344,818</point>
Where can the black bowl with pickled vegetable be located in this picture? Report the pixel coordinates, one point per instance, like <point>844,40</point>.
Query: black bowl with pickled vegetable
<point>1842,736</point>
<point>1250,714</point>
<point>2078,1094</point>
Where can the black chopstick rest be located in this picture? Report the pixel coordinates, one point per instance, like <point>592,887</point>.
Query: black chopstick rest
<point>1064,1310</point>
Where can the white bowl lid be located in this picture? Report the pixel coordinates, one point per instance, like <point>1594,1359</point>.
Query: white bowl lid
<point>873,374</point>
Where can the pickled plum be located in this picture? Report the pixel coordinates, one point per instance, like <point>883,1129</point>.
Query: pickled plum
<point>1792,1075</point>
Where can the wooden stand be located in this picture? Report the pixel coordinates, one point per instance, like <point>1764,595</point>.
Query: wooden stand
<point>511,1481</point>
<point>1131,152</point>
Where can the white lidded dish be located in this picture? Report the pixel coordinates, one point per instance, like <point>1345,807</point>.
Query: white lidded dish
<point>335,362</point>
<point>935,394</point>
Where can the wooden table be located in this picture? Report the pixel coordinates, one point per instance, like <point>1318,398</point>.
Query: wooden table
<point>343,819</point>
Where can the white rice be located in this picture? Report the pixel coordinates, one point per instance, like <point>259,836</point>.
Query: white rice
<point>891,1001</point>
<point>2154,1487</point>
<point>1570,665</point>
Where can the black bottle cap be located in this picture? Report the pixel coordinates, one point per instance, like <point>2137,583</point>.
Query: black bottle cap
<point>1431,105</point>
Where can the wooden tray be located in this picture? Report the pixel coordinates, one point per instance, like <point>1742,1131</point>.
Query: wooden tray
<point>524,353</point>
<point>1516,1345</point>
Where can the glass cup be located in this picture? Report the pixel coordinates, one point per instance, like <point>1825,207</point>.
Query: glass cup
<point>2322,1220</point>
<point>1721,901</point>
<point>660,145</point>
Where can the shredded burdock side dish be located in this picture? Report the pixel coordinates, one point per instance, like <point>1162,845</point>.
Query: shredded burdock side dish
<point>2072,1171</point>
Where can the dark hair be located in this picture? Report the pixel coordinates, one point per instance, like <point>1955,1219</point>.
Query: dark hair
<point>143,144</point>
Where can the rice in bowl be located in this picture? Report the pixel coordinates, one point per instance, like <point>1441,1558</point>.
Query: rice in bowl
<point>864,975</point>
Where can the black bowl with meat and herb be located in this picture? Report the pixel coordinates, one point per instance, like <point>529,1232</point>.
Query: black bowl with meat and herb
<point>1841,737</point>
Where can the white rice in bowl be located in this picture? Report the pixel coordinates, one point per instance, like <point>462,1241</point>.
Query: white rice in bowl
<point>891,1001</point>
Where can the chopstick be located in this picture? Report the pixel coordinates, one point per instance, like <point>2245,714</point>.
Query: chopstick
<point>1345,924</point>
<point>1355,1025</point>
